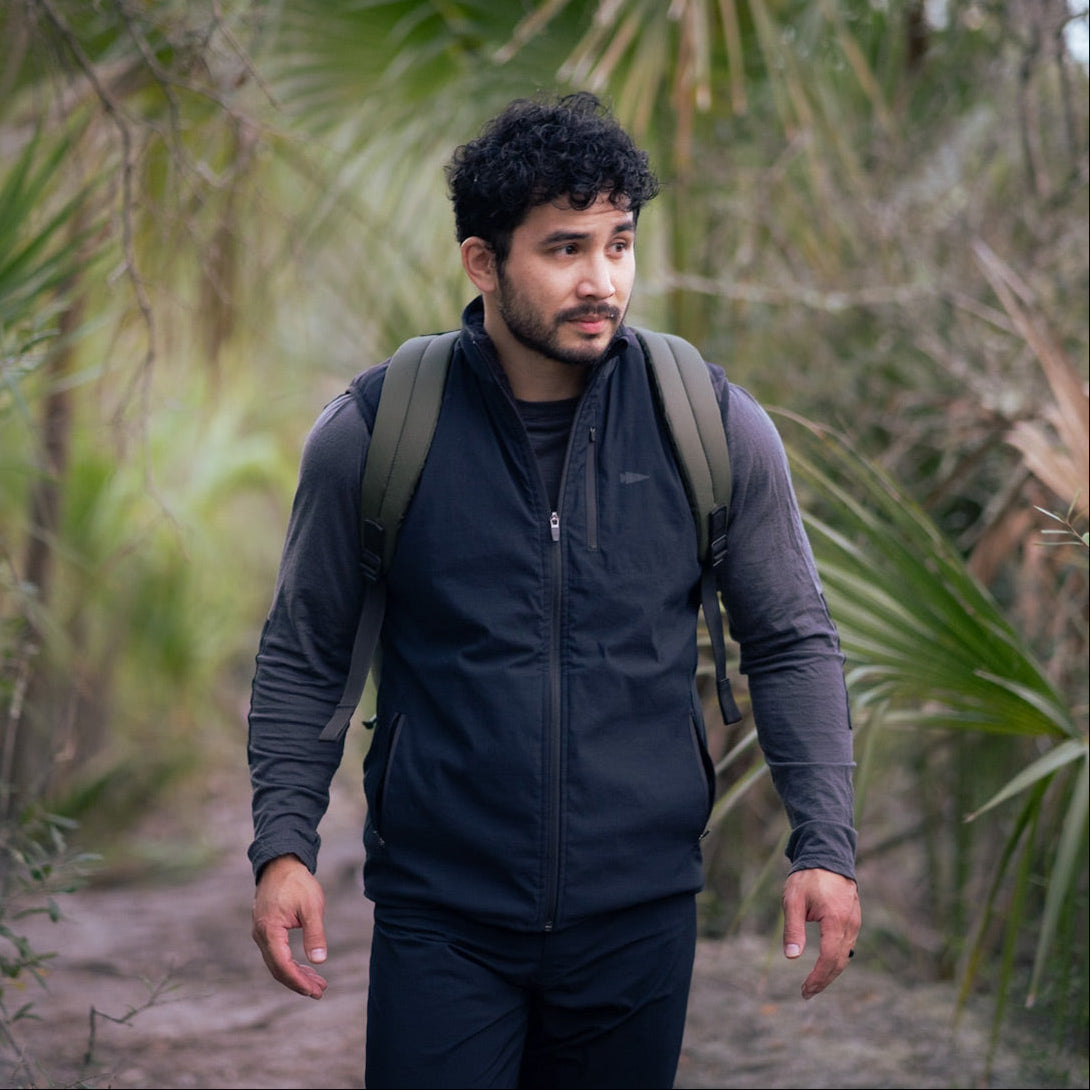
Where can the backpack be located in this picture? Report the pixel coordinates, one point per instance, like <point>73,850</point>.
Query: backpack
<point>407,412</point>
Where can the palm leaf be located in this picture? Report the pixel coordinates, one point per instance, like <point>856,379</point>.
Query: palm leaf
<point>41,251</point>
<point>928,647</point>
<point>918,629</point>
<point>38,252</point>
<point>1069,859</point>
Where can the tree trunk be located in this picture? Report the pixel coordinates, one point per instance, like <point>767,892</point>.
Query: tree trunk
<point>34,733</point>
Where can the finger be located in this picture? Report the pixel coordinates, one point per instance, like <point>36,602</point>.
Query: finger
<point>824,972</point>
<point>833,957</point>
<point>276,952</point>
<point>314,983</point>
<point>302,979</point>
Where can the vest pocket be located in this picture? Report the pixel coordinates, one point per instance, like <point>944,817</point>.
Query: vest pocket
<point>380,790</point>
<point>591,488</point>
<point>707,767</point>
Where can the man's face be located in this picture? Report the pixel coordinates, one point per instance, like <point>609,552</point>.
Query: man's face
<point>565,286</point>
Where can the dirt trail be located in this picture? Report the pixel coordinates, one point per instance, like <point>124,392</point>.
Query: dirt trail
<point>224,1023</point>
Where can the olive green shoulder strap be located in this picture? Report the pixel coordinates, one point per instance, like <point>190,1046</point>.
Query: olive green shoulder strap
<point>408,409</point>
<point>696,423</point>
<point>404,424</point>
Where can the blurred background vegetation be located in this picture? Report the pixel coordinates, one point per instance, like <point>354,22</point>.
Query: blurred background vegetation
<point>874,216</point>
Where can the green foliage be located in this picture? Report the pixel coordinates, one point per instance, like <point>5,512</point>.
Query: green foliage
<point>123,483</point>
<point>159,593</point>
<point>915,621</point>
<point>248,203</point>
<point>36,865</point>
<point>929,649</point>
<point>43,242</point>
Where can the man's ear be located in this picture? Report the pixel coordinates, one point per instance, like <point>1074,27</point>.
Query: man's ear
<point>479,262</point>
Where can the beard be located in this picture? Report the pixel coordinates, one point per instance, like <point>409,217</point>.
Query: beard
<point>542,334</point>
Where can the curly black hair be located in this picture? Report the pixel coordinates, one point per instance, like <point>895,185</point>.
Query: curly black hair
<point>540,150</point>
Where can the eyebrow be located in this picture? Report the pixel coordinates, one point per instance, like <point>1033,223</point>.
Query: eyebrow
<point>627,227</point>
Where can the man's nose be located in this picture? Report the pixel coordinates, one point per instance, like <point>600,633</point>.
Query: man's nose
<point>597,279</point>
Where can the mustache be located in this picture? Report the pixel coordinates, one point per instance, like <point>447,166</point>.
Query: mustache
<point>578,314</point>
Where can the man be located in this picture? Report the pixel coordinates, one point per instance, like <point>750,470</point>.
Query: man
<point>538,781</point>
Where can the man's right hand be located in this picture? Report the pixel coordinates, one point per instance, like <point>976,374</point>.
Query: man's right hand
<point>288,896</point>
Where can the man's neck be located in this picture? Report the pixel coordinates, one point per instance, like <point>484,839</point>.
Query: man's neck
<point>536,378</point>
<point>532,376</point>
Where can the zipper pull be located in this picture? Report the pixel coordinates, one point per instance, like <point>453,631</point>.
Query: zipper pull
<point>554,526</point>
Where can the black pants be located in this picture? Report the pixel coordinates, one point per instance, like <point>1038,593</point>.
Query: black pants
<point>601,1004</point>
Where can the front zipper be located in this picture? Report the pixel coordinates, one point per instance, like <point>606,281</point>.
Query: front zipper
<point>552,832</point>
<point>555,717</point>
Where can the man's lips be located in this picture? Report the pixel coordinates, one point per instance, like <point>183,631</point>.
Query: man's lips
<point>594,321</point>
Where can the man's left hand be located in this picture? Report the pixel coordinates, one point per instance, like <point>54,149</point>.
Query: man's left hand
<point>832,901</point>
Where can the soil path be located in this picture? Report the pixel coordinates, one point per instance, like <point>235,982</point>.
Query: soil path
<point>222,1022</point>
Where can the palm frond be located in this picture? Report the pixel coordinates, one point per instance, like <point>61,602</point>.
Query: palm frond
<point>929,648</point>
<point>918,629</point>
<point>39,249</point>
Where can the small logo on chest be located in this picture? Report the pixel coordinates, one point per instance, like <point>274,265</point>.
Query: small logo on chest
<point>634,478</point>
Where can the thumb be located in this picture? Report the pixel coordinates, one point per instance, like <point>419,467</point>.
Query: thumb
<point>794,926</point>
<point>314,943</point>
<point>314,939</point>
